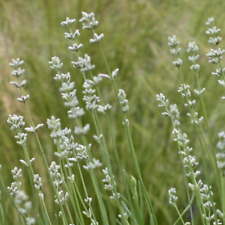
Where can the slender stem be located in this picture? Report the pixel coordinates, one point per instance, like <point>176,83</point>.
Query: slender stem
<point>194,182</point>
<point>180,216</point>
<point>43,155</point>
<point>209,131</point>
<point>107,159</point>
<point>223,196</point>
<point>185,210</point>
<point>199,130</point>
<point>94,180</point>
<point>46,211</point>
<point>129,138</point>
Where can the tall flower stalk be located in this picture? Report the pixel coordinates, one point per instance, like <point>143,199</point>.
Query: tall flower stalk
<point>87,184</point>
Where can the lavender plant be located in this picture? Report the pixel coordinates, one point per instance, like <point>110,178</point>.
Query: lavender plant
<point>74,156</point>
<point>81,175</point>
<point>198,191</point>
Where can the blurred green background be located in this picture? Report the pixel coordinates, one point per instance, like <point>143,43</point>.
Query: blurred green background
<point>136,33</point>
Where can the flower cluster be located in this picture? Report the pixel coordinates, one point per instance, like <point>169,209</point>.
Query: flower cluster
<point>186,93</point>
<point>38,185</point>
<point>89,212</point>
<point>193,56</point>
<point>72,35</point>
<point>17,73</point>
<point>37,182</point>
<point>123,101</point>
<point>220,156</point>
<point>110,184</point>
<point>90,98</point>
<point>206,195</point>
<point>215,55</point>
<point>68,22</point>
<point>84,64</point>
<point>189,163</point>
<point>97,38</point>
<point>88,21</point>
<point>21,199</point>
<point>172,196</point>
<point>58,180</point>
<point>212,32</point>
<point>67,148</point>
<point>17,123</point>
<point>173,43</point>
<point>113,75</point>
<point>55,63</point>
<point>94,164</point>
<point>68,93</point>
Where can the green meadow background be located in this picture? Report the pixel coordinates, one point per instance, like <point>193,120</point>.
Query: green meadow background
<point>135,41</point>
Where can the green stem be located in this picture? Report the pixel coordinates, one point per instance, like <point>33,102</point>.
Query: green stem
<point>107,158</point>
<point>130,142</point>
<point>185,210</point>
<point>180,217</point>
<point>209,131</point>
<point>94,180</point>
